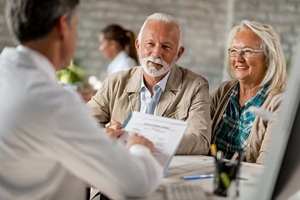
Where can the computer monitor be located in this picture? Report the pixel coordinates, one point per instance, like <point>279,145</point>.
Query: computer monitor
<point>281,178</point>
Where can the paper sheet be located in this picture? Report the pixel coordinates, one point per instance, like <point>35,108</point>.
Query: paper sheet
<point>165,133</point>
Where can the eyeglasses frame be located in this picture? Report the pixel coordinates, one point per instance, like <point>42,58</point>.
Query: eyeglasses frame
<point>242,52</point>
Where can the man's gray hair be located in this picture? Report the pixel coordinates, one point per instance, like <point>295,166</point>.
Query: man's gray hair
<point>164,18</point>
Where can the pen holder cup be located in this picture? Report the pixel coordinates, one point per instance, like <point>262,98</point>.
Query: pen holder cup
<point>225,178</point>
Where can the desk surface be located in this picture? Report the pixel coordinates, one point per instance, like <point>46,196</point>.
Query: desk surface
<point>188,165</point>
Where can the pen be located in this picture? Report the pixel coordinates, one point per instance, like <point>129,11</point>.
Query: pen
<point>234,157</point>
<point>126,120</point>
<point>197,176</point>
<point>220,156</point>
<point>225,179</point>
<point>213,150</point>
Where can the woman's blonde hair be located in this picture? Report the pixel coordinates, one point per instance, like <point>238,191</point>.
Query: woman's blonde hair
<point>270,43</point>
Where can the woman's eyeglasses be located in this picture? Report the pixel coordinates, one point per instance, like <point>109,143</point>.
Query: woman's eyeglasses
<point>245,52</point>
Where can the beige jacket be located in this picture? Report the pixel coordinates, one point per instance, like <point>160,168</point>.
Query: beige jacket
<point>261,132</point>
<point>186,98</point>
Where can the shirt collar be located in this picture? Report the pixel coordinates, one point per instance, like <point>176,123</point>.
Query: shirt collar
<point>257,100</point>
<point>40,61</point>
<point>162,83</point>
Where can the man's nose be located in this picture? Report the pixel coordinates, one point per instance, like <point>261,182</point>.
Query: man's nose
<point>157,51</point>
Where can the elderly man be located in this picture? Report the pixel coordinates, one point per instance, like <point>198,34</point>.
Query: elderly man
<point>159,86</point>
<point>51,147</point>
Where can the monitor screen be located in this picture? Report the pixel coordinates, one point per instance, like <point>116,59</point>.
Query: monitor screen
<point>288,180</point>
<point>281,178</point>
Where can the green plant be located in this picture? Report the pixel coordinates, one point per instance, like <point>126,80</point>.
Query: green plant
<point>72,75</point>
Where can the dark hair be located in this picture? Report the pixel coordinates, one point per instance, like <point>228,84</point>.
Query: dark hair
<point>125,38</point>
<point>33,19</point>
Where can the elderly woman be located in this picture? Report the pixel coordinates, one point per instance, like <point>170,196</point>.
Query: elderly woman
<point>257,67</point>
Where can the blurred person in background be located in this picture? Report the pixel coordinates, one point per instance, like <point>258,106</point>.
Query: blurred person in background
<point>118,45</point>
<point>257,67</point>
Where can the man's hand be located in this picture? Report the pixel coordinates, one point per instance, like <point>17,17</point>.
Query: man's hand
<point>138,139</point>
<point>114,129</point>
<point>115,125</point>
<point>113,134</point>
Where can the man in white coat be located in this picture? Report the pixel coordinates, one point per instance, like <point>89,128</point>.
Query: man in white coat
<point>51,147</point>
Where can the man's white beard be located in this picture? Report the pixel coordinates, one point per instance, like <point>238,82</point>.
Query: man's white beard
<point>152,71</point>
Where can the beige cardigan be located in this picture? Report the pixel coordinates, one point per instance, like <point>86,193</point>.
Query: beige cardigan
<point>186,98</point>
<point>261,132</point>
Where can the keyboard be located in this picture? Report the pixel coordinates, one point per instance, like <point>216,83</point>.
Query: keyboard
<point>185,191</point>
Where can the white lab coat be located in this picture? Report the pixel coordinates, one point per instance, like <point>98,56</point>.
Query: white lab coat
<point>51,147</point>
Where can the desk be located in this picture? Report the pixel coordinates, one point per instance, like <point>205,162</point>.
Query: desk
<point>188,165</point>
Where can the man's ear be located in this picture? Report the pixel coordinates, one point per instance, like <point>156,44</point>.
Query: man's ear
<point>62,25</point>
<point>137,44</point>
<point>180,52</point>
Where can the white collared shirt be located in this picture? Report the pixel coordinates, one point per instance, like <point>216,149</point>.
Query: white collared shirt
<point>121,62</point>
<point>51,147</point>
<point>146,95</point>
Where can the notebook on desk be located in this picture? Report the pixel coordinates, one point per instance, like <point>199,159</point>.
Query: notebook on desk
<point>281,179</point>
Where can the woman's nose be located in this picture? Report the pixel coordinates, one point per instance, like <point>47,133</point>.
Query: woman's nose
<point>240,57</point>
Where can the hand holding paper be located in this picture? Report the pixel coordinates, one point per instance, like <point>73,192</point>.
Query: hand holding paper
<point>112,133</point>
<point>138,139</point>
<point>165,133</point>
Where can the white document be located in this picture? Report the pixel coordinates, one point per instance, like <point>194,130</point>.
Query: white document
<point>165,133</point>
